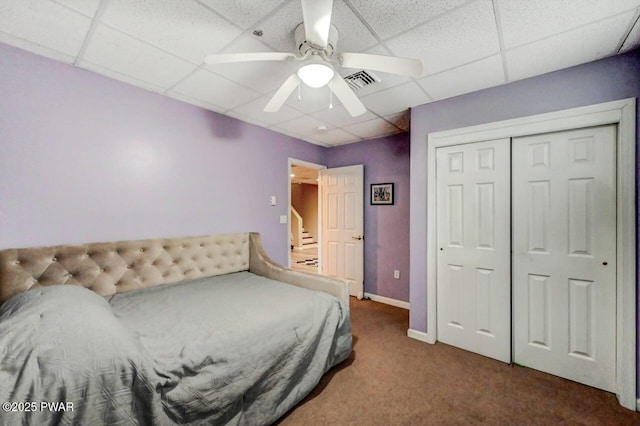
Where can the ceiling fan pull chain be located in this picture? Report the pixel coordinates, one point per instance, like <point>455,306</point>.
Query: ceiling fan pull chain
<point>331,94</point>
<point>299,96</point>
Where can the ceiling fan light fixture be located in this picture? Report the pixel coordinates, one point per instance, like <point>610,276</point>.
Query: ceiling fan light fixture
<point>315,75</point>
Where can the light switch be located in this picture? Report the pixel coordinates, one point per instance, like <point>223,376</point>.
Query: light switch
<point>272,200</point>
<point>283,218</point>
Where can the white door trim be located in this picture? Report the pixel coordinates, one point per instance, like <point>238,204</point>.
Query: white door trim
<point>622,113</point>
<point>290,162</point>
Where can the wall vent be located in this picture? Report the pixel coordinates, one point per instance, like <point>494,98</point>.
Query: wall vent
<point>361,79</point>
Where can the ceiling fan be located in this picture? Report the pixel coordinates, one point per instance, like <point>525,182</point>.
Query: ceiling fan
<point>316,39</point>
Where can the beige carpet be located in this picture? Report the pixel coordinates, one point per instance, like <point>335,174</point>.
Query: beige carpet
<point>391,379</point>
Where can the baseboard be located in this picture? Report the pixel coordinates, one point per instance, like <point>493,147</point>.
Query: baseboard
<point>419,335</point>
<point>387,301</point>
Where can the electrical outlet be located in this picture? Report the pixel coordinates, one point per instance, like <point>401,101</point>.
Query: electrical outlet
<point>283,218</point>
<point>396,274</point>
<point>272,200</point>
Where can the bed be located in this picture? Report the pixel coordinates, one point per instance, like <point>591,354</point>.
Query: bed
<point>199,330</point>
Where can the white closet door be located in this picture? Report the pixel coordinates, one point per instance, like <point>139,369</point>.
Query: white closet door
<point>473,277</point>
<point>564,259</point>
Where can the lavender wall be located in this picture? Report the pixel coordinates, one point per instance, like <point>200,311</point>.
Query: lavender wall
<point>85,158</point>
<point>386,228</point>
<point>601,81</point>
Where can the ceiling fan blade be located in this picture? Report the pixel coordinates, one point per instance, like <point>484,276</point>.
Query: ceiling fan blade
<point>228,58</point>
<point>347,96</point>
<point>317,20</point>
<point>390,64</point>
<point>283,93</point>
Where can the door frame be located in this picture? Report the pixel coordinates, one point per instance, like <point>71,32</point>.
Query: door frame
<point>291,162</point>
<point>623,114</point>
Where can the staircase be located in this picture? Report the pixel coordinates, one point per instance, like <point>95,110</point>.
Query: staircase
<point>308,241</point>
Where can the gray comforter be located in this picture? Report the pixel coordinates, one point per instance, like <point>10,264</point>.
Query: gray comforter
<point>232,349</point>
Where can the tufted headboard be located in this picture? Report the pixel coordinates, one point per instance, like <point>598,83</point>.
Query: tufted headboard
<point>109,268</point>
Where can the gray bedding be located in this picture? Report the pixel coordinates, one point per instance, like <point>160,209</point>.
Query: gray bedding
<point>231,349</point>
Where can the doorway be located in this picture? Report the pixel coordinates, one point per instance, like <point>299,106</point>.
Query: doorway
<point>305,220</point>
<point>622,115</point>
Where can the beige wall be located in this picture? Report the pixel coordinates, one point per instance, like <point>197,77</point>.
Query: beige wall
<point>304,198</point>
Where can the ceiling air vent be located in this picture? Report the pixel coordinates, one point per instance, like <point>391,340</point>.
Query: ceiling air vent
<point>361,79</point>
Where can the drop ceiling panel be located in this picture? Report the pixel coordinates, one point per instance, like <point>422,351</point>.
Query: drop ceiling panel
<point>278,28</point>
<point>372,129</point>
<point>466,78</point>
<point>571,48</point>
<point>334,137</point>
<point>396,99</point>
<point>527,21</point>
<point>264,77</point>
<point>121,77</point>
<point>457,38</point>
<point>353,36</point>
<point>255,110</point>
<point>633,41</point>
<point>339,117</point>
<point>196,102</point>
<point>44,23</point>
<point>115,51</point>
<point>211,88</point>
<point>184,28</point>
<point>401,120</point>
<point>304,126</point>
<point>86,7</point>
<point>243,13</point>
<point>388,19</point>
<point>36,48</point>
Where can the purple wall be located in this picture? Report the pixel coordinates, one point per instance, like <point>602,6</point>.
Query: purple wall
<point>601,81</point>
<point>386,228</point>
<point>85,158</point>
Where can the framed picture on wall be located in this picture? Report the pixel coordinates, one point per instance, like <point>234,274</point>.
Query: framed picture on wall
<point>382,194</point>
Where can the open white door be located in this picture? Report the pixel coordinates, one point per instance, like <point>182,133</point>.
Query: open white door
<point>342,245</point>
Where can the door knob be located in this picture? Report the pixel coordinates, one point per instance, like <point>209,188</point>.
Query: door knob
<point>359,237</point>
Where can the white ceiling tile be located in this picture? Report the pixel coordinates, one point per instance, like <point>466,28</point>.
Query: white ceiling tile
<point>572,48</point>
<point>278,29</point>
<point>44,23</point>
<point>396,99</point>
<point>339,117</point>
<point>185,28</point>
<point>401,120</point>
<point>457,38</point>
<point>265,77</point>
<point>115,51</point>
<point>121,77</point>
<point>246,118</point>
<point>334,137</point>
<point>36,48</point>
<point>255,110</point>
<point>353,36</point>
<point>465,79</point>
<point>526,21</point>
<point>303,126</point>
<point>390,19</point>
<point>633,41</point>
<point>211,88</point>
<point>86,7</point>
<point>243,13</point>
<point>372,128</point>
<point>196,102</point>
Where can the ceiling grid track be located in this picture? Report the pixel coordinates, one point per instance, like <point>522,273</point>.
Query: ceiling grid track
<point>627,33</point>
<point>94,23</point>
<point>503,53</point>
